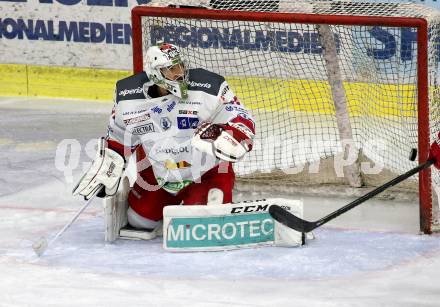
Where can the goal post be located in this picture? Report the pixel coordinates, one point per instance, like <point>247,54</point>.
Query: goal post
<point>383,66</point>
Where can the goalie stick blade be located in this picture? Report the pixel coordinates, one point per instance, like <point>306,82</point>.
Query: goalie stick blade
<point>292,221</point>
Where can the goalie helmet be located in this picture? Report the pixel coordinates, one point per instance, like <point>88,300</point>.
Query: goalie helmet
<point>162,58</point>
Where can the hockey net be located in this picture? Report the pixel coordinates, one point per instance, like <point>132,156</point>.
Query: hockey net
<point>342,92</point>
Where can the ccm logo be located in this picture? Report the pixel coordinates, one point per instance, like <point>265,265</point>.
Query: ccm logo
<point>249,209</point>
<point>230,140</point>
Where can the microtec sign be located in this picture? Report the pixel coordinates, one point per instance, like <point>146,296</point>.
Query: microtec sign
<point>220,231</point>
<point>228,226</point>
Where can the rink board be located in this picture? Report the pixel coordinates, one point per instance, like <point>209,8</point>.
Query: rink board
<point>61,82</point>
<point>310,96</point>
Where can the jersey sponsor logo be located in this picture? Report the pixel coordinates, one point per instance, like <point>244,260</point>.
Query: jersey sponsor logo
<point>199,84</point>
<point>132,91</point>
<point>171,106</point>
<point>230,107</point>
<point>187,122</point>
<point>134,112</point>
<point>156,109</point>
<point>188,112</point>
<point>174,151</point>
<point>225,90</point>
<point>144,129</point>
<point>191,102</point>
<point>173,186</point>
<point>170,164</point>
<point>137,119</point>
<point>165,123</point>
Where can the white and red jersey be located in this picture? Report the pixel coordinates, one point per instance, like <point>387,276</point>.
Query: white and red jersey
<point>164,126</point>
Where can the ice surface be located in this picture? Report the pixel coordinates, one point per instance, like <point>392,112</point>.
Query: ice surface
<point>371,256</point>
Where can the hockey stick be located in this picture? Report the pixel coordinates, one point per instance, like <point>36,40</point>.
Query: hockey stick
<point>42,244</point>
<point>294,222</point>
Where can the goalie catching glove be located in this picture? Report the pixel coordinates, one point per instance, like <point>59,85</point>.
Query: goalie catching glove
<point>106,171</point>
<point>228,142</point>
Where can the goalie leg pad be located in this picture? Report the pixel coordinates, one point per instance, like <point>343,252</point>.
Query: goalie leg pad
<point>115,211</point>
<point>229,226</point>
<point>116,218</point>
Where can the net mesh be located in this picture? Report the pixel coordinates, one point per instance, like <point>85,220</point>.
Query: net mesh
<point>279,72</point>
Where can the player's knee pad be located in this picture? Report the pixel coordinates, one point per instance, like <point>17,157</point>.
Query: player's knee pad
<point>138,221</point>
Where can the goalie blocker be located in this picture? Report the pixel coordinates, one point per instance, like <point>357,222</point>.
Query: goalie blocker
<point>208,228</point>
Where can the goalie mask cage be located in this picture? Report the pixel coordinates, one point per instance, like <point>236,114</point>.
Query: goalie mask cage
<point>341,91</point>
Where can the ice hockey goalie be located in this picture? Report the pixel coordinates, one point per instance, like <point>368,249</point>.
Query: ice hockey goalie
<point>186,127</point>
